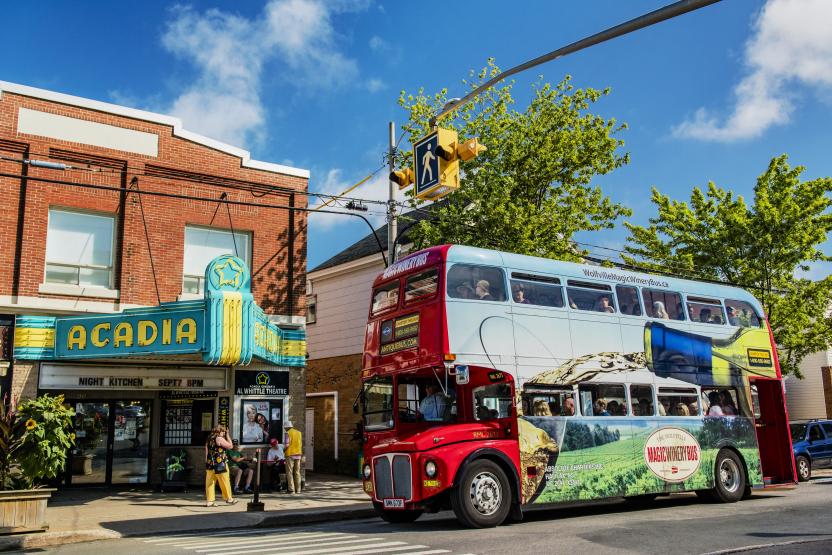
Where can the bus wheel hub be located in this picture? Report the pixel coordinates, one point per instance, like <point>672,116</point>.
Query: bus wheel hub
<point>485,493</point>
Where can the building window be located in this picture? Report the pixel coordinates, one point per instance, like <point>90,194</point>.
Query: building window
<point>311,309</point>
<point>79,249</point>
<point>202,245</point>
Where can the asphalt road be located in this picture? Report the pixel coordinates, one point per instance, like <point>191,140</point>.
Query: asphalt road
<point>779,521</point>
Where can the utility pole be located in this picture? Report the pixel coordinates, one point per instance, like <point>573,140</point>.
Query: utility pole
<point>391,203</point>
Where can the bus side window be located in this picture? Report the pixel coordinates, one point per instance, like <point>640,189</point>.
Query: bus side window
<point>628,300</point>
<point>721,401</point>
<point>602,399</point>
<point>484,283</point>
<point>558,401</point>
<point>492,401</point>
<point>705,311</point>
<point>742,314</point>
<point>664,305</point>
<point>594,297</point>
<point>675,401</point>
<point>641,400</point>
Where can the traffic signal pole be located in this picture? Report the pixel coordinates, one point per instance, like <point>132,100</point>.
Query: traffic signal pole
<point>391,203</point>
<point>662,14</point>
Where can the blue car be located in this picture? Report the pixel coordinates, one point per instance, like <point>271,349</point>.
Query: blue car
<point>812,444</point>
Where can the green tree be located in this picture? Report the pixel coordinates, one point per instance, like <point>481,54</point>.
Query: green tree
<point>530,192</point>
<point>763,247</point>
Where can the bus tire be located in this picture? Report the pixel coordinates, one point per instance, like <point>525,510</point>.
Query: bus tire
<point>804,468</point>
<point>396,516</point>
<point>729,477</point>
<point>482,497</point>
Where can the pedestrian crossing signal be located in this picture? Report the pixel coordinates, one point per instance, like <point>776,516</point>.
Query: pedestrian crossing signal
<point>436,160</point>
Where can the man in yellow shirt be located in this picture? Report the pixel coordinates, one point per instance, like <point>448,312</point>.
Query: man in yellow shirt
<point>293,453</point>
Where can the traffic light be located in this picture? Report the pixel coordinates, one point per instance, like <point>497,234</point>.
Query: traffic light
<point>470,149</point>
<point>403,177</point>
<point>446,146</point>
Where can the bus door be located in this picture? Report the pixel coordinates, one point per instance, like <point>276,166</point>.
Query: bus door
<point>772,427</point>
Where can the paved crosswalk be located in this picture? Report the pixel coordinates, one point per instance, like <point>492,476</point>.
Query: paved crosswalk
<point>285,541</point>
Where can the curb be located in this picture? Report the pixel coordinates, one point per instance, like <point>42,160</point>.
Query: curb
<point>296,518</point>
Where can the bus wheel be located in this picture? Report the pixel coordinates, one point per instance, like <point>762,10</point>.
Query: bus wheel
<point>729,477</point>
<point>396,516</point>
<point>482,498</point>
<point>804,468</point>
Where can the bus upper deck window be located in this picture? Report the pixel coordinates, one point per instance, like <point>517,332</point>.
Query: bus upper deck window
<point>421,285</point>
<point>602,399</point>
<point>641,400</point>
<point>385,297</point>
<point>742,314</point>
<point>594,297</point>
<point>548,401</point>
<point>536,290</point>
<point>483,283</point>
<point>664,305</point>
<point>628,302</point>
<point>705,311</point>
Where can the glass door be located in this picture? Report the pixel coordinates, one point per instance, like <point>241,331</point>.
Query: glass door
<point>88,461</point>
<point>131,442</point>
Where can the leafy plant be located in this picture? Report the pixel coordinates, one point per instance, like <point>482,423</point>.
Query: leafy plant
<point>175,463</point>
<point>764,246</point>
<point>531,191</point>
<point>34,441</point>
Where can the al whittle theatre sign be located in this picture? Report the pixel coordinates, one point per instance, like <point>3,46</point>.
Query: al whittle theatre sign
<point>226,327</point>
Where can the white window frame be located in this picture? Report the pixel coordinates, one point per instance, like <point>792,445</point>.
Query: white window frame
<point>201,277</point>
<point>77,289</point>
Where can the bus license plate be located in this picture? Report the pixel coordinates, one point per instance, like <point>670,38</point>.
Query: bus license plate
<point>394,503</point>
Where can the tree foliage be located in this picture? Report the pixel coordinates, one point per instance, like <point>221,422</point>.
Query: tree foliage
<point>763,247</point>
<point>530,192</point>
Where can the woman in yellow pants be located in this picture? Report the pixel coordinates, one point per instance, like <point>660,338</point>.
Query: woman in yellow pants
<point>216,465</point>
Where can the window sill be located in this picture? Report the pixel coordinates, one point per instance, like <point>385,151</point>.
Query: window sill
<point>77,291</point>
<point>190,297</point>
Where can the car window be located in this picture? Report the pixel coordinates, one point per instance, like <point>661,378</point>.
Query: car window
<point>827,427</point>
<point>815,433</point>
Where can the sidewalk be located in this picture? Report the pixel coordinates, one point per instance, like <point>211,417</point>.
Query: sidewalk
<point>94,514</point>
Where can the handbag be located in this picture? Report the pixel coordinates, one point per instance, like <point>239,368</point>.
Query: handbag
<point>220,468</point>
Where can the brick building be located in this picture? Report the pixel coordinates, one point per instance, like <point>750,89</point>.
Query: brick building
<point>78,238</point>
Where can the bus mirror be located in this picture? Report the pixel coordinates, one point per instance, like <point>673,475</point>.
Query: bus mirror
<point>462,375</point>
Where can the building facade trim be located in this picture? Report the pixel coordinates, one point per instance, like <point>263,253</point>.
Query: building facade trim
<point>174,122</point>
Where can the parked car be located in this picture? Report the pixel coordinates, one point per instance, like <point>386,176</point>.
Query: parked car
<point>812,445</point>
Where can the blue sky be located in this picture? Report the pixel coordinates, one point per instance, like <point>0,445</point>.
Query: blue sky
<point>712,95</point>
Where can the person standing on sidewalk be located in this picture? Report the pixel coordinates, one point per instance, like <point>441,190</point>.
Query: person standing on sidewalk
<point>216,465</point>
<point>293,453</point>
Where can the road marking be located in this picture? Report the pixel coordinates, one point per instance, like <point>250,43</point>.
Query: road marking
<point>284,541</point>
<point>275,545</point>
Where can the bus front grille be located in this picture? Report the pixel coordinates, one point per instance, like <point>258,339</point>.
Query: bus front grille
<point>383,478</point>
<point>392,477</point>
<point>401,476</point>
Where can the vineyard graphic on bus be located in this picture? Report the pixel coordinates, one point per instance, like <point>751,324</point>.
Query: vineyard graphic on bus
<point>591,457</point>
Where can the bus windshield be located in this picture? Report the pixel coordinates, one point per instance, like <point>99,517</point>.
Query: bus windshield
<point>377,397</point>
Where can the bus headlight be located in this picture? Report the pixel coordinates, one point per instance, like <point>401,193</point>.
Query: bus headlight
<point>366,471</point>
<point>430,469</point>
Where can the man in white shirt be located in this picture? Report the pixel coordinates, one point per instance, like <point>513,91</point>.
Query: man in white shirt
<point>275,460</point>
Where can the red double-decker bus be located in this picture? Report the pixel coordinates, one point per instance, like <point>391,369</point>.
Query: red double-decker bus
<point>495,382</point>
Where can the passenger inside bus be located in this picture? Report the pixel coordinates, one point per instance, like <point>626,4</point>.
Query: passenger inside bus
<point>422,400</point>
<point>541,408</point>
<point>493,401</point>
<point>483,290</point>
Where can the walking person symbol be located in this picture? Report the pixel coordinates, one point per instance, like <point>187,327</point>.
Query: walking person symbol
<point>427,158</point>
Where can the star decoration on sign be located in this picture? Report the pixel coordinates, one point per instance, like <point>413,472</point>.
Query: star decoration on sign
<point>229,273</point>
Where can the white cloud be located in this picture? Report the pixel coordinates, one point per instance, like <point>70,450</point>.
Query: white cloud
<point>375,85</point>
<point>378,44</point>
<point>377,188</point>
<point>790,45</point>
<point>229,53</point>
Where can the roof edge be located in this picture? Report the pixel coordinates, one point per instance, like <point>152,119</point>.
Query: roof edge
<point>153,117</point>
